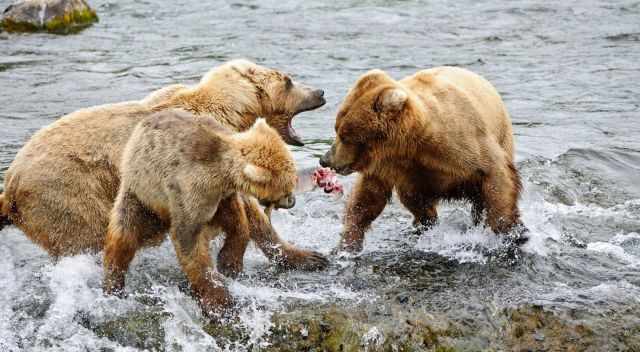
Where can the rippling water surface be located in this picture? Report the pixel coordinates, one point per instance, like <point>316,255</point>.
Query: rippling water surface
<point>568,72</point>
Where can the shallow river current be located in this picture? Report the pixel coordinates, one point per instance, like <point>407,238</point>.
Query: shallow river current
<point>569,73</point>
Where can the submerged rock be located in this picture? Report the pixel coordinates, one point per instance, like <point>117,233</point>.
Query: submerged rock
<point>141,330</point>
<point>532,328</point>
<point>338,330</point>
<point>54,16</point>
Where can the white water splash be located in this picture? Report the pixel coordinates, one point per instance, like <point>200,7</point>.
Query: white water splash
<point>183,328</point>
<point>8,286</point>
<point>373,339</point>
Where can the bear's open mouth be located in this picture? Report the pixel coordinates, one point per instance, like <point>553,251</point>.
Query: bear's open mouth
<point>292,136</point>
<point>289,133</point>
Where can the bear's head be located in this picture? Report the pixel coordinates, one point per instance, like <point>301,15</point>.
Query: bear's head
<point>369,125</point>
<point>259,91</point>
<point>268,171</point>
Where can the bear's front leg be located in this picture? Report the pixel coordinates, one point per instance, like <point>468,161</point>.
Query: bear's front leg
<point>276,249</point>
<point>232,218</point>
<point>367,200</point>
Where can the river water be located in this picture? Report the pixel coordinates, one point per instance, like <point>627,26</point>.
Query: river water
<point>568,72</point>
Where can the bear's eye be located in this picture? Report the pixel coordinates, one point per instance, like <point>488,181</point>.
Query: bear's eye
<point>349,140</point>
<point>288,84</point>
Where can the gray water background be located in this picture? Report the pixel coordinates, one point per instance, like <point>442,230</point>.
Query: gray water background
<point>568,71</point>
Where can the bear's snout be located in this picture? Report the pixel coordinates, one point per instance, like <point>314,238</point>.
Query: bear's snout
<point>325,160</point>
<point>314,98</point>
<point>288,202</point>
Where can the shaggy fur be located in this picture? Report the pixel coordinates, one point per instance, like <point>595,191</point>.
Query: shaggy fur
<point>442,133</point>
<point>63,182</point>
<point>4,219</point>
<point>176,171</point>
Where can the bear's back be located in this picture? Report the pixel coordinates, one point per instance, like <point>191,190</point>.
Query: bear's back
<point>463,101</point>
<point>175,151</point>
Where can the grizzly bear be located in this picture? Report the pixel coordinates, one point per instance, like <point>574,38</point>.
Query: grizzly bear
<point>440,134</point>
<point>61,186</point>
<point>175,171</point>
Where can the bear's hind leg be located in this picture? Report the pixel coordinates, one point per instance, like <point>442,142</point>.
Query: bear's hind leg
<point>421,206</point>
<point>131,223</point>
<point>500,192</point>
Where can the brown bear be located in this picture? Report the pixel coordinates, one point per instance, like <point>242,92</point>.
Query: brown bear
<point>175,171</point>
<point>440,134</point>
<point>61,186</point>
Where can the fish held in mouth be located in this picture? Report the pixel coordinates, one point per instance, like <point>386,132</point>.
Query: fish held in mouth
<point>323,177</point>
<point>308,180</point>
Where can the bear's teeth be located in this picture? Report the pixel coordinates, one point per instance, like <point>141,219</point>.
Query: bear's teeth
<point>293,134</point>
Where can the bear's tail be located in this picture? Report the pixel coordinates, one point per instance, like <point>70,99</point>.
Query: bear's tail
<point>4,212</point>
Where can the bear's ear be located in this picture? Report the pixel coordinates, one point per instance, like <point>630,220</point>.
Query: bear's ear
<point>372,79</point>
<point>256,173</point>
<point>261,125</point>
<point>262,129</point>
<point>390,100</point>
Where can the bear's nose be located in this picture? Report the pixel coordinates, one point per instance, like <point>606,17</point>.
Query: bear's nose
<point>324,162</point>
<point>320,93</point>
<point>291,201</point>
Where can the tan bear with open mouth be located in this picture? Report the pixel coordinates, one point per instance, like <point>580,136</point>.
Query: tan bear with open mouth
<point>61,186</point>
<point>440,134</point>
<point>176,170</point>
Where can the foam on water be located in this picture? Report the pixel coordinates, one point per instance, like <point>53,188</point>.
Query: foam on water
<point>8,281</point>
<point>621,239</point>
<point>613,250</point>
<point>621,292</point>
<point>273,297</point>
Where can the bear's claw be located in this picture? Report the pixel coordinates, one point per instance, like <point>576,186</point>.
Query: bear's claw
<point>229,267</point>
<point>315,261</point>
<point>304,260</point>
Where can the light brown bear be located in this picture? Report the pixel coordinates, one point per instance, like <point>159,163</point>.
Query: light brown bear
<point>61,186</point>
<point>175,171</point>
<point>440,134</point>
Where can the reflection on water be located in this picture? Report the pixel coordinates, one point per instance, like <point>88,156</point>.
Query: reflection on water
<point>568,72</point>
